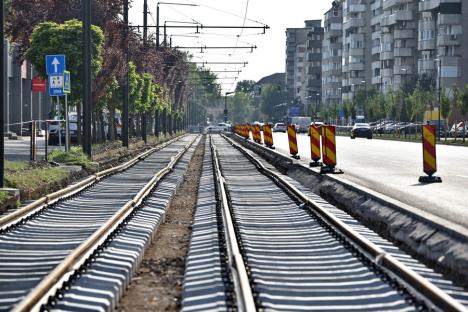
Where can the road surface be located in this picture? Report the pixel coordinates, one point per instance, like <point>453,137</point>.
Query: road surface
<point>392,168</point>
<point>19,149</point>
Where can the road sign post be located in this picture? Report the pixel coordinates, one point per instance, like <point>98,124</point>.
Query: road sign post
<point>55,64</point>
<point>66,90</point>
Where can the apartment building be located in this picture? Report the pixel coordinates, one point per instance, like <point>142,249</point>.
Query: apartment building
<point>443,42</point>
<point>304,62</point>
<point>390,44</point>
<point>332,49</point>
<point>399,48</point>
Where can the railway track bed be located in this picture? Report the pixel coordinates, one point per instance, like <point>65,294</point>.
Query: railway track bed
<point>35,247</point>
<point>299,252</point>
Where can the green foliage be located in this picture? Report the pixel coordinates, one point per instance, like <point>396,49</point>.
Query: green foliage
<point>25,176</point>
<point>463,105</point>
<point>246,86</point>
<point>52,38</point>
<point>445,105</point>
<point>239,107</point>
<point>270,102</point>
<point>74,157</point>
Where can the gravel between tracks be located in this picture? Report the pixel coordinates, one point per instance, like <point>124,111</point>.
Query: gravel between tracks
<point>158,284</point>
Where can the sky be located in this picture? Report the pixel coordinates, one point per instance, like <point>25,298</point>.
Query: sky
<point>269,56</point>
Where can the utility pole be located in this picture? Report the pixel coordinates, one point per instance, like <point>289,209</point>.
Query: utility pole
<point>2,93</point>
<point>145,45</point>
<point>87,89</point>
<point>125,84</point>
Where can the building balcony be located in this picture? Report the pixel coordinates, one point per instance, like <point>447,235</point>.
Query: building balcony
<point>377,4</point>
<point>403,34</point>
<point>356,8</point>
<point>356,66</point>
<point>387,4</point>
<point>399,16</point>
<point>353,22</point>
<point>402,52</point>
<point>356,52</point>
<point>448,40</point>
<point>403,70</point>
<point>428,5</point>
<point>376,80</point>
<point>449,19</point>
<point>426,44</point>
<point>375,20</point>
<point>376,35</point>
<point>376,50</point>
<point>386,72</point>
<point>426,65</point>
<point>388,55</point>
<point>375,64</point>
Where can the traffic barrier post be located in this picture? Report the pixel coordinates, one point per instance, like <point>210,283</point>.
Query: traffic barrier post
<point>314,132</point>
<point>329,150</point>
<point>429,155</point>
<point>293,150</point>
<point>257,134</point>
<point>268,135</point>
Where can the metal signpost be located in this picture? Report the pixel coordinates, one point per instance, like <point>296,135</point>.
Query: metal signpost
<point>66,90</point>
<point>59,85</point>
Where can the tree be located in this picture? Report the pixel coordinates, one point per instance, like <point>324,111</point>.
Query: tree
<point>52,38</point>
<point>239,107</point>
<point>271,97</point>
<point>464,109</point>
<point>246,86</point>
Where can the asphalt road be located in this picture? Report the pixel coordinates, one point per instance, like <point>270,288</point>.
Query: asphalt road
<point>19,149</point>
<point>392,168</point>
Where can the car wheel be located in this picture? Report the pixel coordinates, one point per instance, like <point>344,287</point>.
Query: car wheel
<point>369,137</point>
<point>352,137</point>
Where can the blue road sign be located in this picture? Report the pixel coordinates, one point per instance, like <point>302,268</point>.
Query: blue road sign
<point>55,64</point>
<point>66,82</point>
<point>56,85</point>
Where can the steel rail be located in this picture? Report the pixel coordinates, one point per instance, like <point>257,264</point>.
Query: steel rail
<point>68,191</point>
<point>245,299</point>
<point>38,295</point>
<point>376,254</point>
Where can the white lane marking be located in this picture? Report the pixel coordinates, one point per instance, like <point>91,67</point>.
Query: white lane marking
<point>461,176</point>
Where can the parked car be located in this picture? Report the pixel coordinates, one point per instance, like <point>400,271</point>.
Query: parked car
<point>459,130</point>
<point>279,127</point>
<point>361,130</point>
<point>57,124</point>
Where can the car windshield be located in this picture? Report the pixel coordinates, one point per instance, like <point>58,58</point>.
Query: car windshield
<point>362,125</point>
<point>279,125</point>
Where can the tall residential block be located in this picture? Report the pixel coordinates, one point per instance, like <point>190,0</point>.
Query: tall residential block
<point>399,48</point>
<point>443,41</point>
<point>332,49</point>
<point>304,62</point>
<point>391,44</point>
<point>357,48</point>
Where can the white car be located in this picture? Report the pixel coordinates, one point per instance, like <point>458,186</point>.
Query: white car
<point>279,127</point>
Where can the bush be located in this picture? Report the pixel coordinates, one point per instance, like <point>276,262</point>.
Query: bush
<point>74,157</point>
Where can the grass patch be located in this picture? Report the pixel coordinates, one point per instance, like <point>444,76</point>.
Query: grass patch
<point>26,176</point>
<point>74,157</point>
<point>3,196</point>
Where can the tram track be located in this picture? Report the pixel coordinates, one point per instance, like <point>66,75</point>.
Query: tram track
<point>46,245</point>
<point>298,255</point>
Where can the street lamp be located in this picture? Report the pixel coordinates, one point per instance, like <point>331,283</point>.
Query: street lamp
<point>225,106</point>
<point>439,89</point>
<point>316,104</point>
